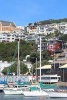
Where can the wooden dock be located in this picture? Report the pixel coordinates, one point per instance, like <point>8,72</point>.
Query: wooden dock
<point>62,83</point>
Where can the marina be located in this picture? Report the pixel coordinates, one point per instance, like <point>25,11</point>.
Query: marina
<point>40,91</point>
<point>14,85</point>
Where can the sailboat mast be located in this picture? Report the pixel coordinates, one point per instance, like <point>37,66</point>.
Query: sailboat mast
<point>18,67</point>
<point>40,58</point>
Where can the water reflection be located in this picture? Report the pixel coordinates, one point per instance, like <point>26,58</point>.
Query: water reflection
<point>21,97</point>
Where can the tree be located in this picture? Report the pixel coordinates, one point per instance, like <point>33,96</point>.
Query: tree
<point>9,51</point>
<point>51,35</point>
<point>33,57</point>
<point>51,21</point>
<point>35,24</point>
<point>63,38</point>
<point>29,24</point>
<point>45,55</point>
<point>13,69</point>
<point>57,33</point>
<point>4,71</point>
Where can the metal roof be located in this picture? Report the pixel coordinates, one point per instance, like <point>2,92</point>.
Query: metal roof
<point>64,66</point>
<point>6,23</point>
<point>45,67</point>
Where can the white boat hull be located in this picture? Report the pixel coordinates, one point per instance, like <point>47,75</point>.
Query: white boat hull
<point>57,94</point>
<point>12,91</point>
<point>34,93</point>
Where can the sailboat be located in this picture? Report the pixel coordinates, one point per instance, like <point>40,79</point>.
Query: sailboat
<point>36,92</point>
<point>52,92</point>
<point>14,90</point>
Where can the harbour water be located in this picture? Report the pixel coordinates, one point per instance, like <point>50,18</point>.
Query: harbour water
<point>21,97</point>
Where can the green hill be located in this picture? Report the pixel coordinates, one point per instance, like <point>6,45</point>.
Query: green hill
<point>50,21</point>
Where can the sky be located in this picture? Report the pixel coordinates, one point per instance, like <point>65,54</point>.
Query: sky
<point>23,12</point>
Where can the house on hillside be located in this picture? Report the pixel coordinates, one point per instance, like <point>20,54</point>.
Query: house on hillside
<point>6,26</point>
<point>54,46</point>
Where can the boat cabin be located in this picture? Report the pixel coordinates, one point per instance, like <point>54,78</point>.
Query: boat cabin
<point>49,79</point>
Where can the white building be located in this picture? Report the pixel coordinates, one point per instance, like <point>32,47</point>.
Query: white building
<point>3,37</point>
<point>7,37</point>
<point>11,37</point>
<point>45,29</point>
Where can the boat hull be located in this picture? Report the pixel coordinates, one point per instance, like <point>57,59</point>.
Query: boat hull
<point>57,94</point>
<point>34,93</point>
<point>12,91</point>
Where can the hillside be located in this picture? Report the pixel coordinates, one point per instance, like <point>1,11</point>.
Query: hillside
<point>50,21</point>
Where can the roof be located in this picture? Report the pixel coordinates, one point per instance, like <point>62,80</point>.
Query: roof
<point>61,61</point>
<point>64,66</point>
<point>6,23</point>
<point>45,67</point>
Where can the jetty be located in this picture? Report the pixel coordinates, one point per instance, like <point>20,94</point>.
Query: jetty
<point>62,84</point>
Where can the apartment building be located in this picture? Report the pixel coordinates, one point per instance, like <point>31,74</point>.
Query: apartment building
<point>7,37</point>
